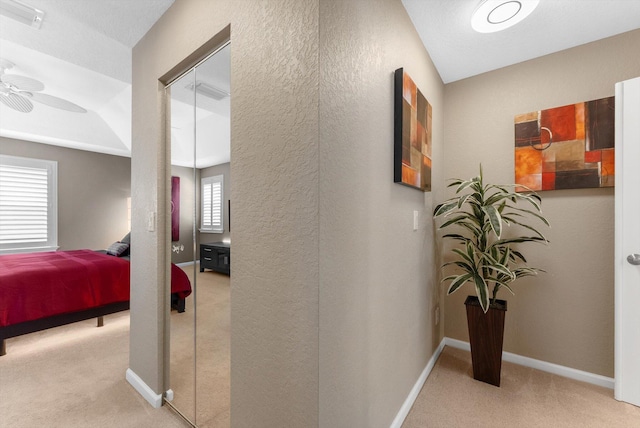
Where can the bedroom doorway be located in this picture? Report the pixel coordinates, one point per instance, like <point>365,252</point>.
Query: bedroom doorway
<point>198,131</point>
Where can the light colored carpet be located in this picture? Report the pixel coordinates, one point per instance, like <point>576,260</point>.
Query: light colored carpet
<point>526,398</point>
<point>74,375</point>
<point>211,384</point>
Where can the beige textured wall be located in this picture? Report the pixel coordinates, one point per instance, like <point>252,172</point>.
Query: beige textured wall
<point>333,293</point>
<point>566,315</point>
<point>377,279</point>
<point>92,193</point>
<point>274,152</point>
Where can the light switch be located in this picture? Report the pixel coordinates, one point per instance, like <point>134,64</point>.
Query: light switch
<point>416,218</point>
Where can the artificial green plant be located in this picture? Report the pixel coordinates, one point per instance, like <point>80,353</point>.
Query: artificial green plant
<point>479,213</point>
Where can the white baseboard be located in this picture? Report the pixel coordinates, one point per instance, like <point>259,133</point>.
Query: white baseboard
<point>143,389</point>
<point>185,264</point>
<point>413,394</point>
<point>544,366</point>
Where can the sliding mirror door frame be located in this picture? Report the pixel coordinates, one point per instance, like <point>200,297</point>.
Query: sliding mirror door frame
<point>181,144</point>
<point>187,66</point>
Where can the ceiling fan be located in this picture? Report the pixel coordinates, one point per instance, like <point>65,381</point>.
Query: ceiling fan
<point>17,92</point>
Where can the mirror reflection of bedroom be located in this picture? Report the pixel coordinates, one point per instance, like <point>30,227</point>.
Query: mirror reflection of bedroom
<point>199,132</point>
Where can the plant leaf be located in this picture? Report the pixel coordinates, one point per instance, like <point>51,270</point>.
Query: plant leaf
<point>482,291</point>
<point>463,185</point>
<point>505,284</point>
<point>494,218</point>
<point>465,266</point>
<point>533,213</point>
<point>526,271</point>
<point>494,199</point>
<point>540,235</point>
<point>456,236</point>
<point>462,200</point>
<point>471,253</point>
<point>506,255</point>
<point>464,255</point>
<point>476,231</point>
<point>454,182</point>
<point>532,198</point>
<point>517,254</point>
<point>502,269</point>
<point>445,208</point>
<point>518,240</point>
<point>456,220</point>
<point>459,281</point>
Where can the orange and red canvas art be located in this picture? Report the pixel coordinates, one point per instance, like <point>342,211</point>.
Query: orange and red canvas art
<point>568,147</point>
<point>412,134</point>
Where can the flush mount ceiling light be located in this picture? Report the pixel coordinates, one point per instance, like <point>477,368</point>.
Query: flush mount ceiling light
<point>496,15</point>
<point>208,90</point>
<point>21,12</point>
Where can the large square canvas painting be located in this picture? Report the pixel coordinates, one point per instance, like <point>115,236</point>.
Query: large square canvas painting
<point>412,134</point>
<point>568,147</point>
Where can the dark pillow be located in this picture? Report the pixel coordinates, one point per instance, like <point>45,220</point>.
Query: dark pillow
<point>126,239</point>
<point>117,249</point>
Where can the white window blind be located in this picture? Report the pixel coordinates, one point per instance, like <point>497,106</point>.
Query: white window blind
<point>212,197</point>
<point>28,204</point>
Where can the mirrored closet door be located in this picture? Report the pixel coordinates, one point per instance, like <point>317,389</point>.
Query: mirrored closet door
<point>199,132</point>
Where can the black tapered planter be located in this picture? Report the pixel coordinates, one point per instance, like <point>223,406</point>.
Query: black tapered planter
<point>486,334</point>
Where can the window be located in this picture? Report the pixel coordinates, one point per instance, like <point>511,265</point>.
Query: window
<point>28,205</point>
<point>212,196</point>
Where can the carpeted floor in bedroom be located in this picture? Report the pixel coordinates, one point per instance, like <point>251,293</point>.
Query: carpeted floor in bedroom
<point>74,376</point>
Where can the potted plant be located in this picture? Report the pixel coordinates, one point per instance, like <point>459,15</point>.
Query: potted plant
<point>485,256</point>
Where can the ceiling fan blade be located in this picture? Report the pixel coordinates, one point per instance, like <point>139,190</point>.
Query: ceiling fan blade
<point>5,64</point>
<point>56,102</point>
<point>23,83</point>
<point>16,102</point>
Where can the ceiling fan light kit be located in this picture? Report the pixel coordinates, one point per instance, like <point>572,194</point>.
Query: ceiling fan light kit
<point>17,91</point>
<point>496,15</point>
<point>15,102</point>
<point>21,12</point>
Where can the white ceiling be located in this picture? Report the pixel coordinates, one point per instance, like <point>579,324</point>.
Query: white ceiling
<point>83,53</point>
<point>459,52</point>
<point>95,34</point>
<point>211,116</point>
<point>105,128</point>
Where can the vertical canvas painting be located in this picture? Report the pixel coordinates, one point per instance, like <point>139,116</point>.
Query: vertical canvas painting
<point>412,134</point>
<point>175,208</point>
<point>568,147</point>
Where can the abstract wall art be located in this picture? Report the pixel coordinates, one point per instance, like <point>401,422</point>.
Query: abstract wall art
<point>412,134</point>
<point>568,147</point>
<point>175,208</point>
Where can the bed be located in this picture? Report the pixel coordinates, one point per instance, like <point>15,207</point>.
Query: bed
<point>44,290</point>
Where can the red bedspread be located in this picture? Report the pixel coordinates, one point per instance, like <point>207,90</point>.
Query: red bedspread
<point>180,283</point>
<point>38,285</point>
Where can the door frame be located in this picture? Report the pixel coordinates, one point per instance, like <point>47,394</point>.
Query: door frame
<point>627,294</point>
